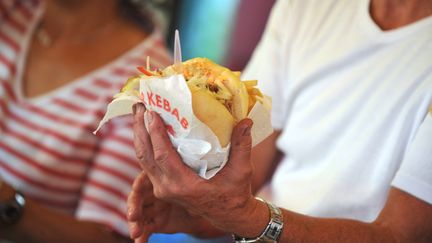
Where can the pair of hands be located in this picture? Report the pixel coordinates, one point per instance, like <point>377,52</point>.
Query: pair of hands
<point>168,197</point>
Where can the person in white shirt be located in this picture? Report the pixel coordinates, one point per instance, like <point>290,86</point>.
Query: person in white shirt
<point>351,83</point>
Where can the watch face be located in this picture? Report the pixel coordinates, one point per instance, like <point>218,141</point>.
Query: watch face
<point>10,212</point>
<point>274,230</point>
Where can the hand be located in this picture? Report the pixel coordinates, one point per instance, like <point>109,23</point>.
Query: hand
<point>225,200</point>
<point>147,214</point>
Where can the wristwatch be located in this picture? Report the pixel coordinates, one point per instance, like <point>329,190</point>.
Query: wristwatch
<point>273,230</point>
<point>11,209</point>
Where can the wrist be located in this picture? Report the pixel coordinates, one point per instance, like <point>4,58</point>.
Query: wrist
<point>247,221</point>
<point>11,206</point>
<point>271,233</point>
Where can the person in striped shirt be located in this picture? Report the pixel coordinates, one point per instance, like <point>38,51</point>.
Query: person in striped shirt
<point>60,63</point>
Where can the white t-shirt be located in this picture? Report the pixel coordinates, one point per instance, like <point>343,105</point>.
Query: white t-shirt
<point>352,102</point>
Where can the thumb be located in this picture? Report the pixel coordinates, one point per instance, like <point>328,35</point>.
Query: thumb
<point>241,145</point>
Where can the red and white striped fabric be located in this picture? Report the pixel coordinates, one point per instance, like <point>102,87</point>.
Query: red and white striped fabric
<point>47,149</point>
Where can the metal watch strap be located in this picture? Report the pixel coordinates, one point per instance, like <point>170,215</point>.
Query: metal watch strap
<point>273,230</point>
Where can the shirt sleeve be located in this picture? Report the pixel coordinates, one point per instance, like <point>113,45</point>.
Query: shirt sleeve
<point>415,174</point>
<point>266,63</point>
<point>109,180</point>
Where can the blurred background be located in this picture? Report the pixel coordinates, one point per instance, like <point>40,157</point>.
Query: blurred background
<point>226,31</point>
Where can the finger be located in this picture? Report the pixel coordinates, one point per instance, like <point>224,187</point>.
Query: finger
<point>146,233</point>
<point>135,229</point>
<point>142,142</point>
<point>241,145</point>
<point>140,228</point>
<point>165,155</point>
<point>140,195</point>
<point>143,238</point>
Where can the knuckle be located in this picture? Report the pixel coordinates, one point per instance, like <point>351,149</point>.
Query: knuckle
<point>169,192</point>
<point>247,172</point>
<point>242,145</point>
<point>143,156</point>
<point>139,154</point>
<point>159,193</point>
<point>166,193</point>
<point>245,176</point>
<point>161,155</point>
<point>179,191</point>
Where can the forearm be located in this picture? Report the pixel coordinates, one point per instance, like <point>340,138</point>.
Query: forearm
<point>40,224</point>
<point>301,228</point>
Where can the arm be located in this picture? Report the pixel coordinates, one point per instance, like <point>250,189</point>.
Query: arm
<point>40,224</point>
<point>404,218</point>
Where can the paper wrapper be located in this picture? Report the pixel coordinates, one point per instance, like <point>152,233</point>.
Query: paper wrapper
<point>195,142</point>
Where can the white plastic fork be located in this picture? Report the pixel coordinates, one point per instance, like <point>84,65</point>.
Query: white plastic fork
<point>177,52</point>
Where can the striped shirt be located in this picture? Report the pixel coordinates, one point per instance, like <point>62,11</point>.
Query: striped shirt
<point>47,149</point>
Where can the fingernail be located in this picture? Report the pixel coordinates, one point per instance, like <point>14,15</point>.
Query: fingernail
<point>148,118</point>
<point>140,107</point>
<point>134,109</point>
<point>247,130</point>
